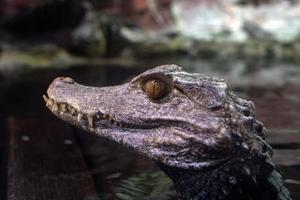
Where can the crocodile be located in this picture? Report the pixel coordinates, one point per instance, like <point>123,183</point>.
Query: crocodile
<point>198,131</point>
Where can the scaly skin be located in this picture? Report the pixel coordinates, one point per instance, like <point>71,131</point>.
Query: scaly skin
<point>205,138</point>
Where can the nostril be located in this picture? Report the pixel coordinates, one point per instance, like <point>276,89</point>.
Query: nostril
<point>68,80</point>
<point>64,79</point>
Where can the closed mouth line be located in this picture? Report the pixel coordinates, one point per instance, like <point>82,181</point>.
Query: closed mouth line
<point>91,119</point>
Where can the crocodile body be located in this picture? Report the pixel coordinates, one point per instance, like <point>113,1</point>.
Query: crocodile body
<point>204,137</point>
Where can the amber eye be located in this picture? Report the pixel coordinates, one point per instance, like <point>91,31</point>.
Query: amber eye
<point>155,88</point>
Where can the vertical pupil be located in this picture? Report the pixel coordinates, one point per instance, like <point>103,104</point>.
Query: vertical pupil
<point>154,88</point>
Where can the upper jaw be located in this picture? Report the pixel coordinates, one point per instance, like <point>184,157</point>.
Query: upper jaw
<point>89,107</point>
<point>65,99</point>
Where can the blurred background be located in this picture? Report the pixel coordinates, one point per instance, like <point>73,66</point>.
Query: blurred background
<point>253,44</point>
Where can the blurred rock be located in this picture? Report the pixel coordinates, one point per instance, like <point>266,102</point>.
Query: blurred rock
<point>223,29</point>
<point>132,29</point>
<point>112,28</point>
<point>146,14</point>
<point>231,21</point>
<point>255,32</point>
<point>88,38</point>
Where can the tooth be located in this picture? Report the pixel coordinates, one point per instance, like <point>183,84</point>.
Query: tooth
<point>54,107</point>
<point>63,108</point>
<point>79,116</point>
<point>49,103</point>
<point>45,98</point>
<point>90,120</point>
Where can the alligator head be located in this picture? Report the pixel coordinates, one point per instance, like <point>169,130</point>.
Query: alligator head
<point>181,120</point>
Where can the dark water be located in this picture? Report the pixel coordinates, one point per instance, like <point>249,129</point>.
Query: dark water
<point>273,86</point>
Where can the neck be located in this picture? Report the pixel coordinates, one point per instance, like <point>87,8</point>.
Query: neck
<point>231,181</point>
